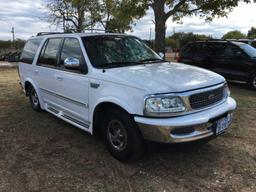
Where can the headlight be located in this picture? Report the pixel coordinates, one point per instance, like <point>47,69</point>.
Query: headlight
<point>163,105</point>
<point>226,91</point>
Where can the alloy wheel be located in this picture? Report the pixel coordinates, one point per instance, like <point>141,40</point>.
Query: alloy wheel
<point>117,135</point>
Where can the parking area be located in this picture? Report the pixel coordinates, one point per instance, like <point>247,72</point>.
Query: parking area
<point>39,152</point>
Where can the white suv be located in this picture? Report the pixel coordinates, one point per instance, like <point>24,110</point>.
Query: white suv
<point>115,84</point>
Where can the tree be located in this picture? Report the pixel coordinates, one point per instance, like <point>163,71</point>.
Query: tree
<point>177,9</point>
<point>252,33</point>
<point>7,46</point>
<point>71,14</point>
<point>171,42</point>
<point>234,35</point>
<point>182,38</point>
<point>112,15</point>
<point>119,15</point>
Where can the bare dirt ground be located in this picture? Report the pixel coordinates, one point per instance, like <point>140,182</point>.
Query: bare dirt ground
<point>39,152</point>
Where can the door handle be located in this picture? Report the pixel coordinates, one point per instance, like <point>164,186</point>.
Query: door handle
<point>36,71</point>
<point>59,78</point>
<point>94,85</point>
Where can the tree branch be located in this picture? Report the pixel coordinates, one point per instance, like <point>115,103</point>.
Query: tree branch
<point>175,9</point>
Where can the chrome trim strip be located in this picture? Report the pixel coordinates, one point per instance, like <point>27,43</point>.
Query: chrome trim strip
<point>86,105</point>
<point>185,98</point>
<point>65,116</point>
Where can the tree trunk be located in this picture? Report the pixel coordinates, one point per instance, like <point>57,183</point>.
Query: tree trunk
<point>80,22</point>
<point>80,25</point>
<point>160,29</point>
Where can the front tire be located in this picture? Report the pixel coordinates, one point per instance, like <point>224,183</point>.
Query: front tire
<point>34,100</point>
<point>122,137</point>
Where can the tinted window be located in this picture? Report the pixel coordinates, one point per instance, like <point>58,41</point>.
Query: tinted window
<point>249,50</point>
<point>216,49</point>
<point>229,51</point>
<point>71,48</point>
<point>189,49</point>
<point>205,50</point>
<point>49,52</point>
<point>254,44</point>
<point>30,50</point>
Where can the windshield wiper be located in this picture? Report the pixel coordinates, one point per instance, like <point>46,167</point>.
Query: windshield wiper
<point>129,63</point>
<point>118,64</point>
<point>152,60</point>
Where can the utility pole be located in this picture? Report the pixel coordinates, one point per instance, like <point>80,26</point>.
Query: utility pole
<point>13,32</point>
<point>13,37</point>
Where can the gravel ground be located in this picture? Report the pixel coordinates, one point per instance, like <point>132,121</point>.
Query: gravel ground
<point>39,152</point>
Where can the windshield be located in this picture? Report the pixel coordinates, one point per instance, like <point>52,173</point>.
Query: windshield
<point>116,51</point>
<point>249,50</point>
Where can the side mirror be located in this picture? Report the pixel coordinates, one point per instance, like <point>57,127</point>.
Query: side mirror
<point>161,55</point>
<point>72,63</point>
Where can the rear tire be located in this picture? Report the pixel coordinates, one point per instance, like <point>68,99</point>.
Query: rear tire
<point>122,136</point>
<point>34,100</point>
<point>252,82</point>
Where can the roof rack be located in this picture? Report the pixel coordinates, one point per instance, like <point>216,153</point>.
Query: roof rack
<point>90,30</point>
<point>99,30</point>
<point>49,33</point>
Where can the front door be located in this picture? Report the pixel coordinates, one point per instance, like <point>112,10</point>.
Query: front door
<point>72,85</point>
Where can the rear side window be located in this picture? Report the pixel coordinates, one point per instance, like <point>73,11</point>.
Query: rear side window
<point>50,52</point>
<point>188,49</point>
<point>217,49</point>
<point>30,50</point>
<point>254,44</point>
<point>191,49</point>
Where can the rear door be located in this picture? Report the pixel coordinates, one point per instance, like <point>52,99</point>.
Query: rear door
<point>44,71</point>
<point>72,85</point>
<point>27,58</point>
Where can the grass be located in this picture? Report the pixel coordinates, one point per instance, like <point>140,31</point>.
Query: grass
<point>39,152</point>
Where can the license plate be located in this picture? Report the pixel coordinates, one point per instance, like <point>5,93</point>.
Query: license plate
<point>222,125</point>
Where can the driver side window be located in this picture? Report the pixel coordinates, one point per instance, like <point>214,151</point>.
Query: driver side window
<point>71,49</point>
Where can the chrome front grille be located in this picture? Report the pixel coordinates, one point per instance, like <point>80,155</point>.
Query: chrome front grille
<point>206,99</point>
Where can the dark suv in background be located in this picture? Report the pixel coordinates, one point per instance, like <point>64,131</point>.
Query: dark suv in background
<point>234,60</point>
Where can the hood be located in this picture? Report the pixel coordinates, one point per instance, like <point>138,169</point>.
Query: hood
<point>164,77</point>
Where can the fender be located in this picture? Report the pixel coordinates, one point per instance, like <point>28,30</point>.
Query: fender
<point>37,91</point>
<point>113,100</point>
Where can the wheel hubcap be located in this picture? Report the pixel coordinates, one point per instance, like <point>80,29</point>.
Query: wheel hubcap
<point>34,97</point>
<point>117,135</point>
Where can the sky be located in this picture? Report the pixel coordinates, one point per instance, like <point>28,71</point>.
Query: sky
<point>30,17</point>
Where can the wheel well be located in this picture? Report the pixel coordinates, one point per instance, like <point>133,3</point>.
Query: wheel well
<point>98,115</point>
<point>28,85</point>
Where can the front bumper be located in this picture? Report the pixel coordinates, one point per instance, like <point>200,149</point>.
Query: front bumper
<point>185,128</point>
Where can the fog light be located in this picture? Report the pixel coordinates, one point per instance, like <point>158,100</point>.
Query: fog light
<point>182,130</point>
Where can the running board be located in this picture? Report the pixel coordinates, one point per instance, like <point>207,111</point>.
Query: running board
<point>67,118</point>
<point>75,121</point>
